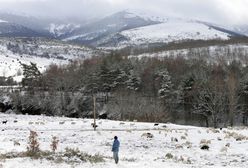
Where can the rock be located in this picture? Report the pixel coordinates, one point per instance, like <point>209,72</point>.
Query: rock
<point>174,139</point>
<point>16,143</point>
<point>147,135</point>
<point>227,145</point>
<point>62,122</point>
<point>224,149</point>
<point>9,111</point>
<point>205,147</point>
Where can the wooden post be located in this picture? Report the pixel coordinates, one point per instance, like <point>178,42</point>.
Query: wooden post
<point>94,111</point>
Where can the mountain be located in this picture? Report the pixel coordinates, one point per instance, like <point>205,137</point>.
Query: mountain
<point>95,33</point>
<point>34,27</point>
<point>59,29</point>
<point>173,30</point>
<point>121,29</point>
<point>10,29</point>
<point>130,27</point>
<point>241,29</point>
<point>42,27</point>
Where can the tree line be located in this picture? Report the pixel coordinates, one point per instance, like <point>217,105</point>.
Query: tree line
<point>169,89</point>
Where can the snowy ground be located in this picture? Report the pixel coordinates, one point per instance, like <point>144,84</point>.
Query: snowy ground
<point>42,52</point>
<point>171,31</point>
<point>136,151</point>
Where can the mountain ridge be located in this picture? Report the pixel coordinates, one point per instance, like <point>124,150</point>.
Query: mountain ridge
<point>113,30</point>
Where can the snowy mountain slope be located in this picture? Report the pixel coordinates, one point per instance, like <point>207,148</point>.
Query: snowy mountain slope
<point>173,146</point>
<point>46,27</point>
<point>94,32</point>
<point>124,28</point>
<point>8,29</point>
<point>43,52</point>
<point>146,15</point>
<point>243,29</point>
<point>157,30</point>
<point>58,30</point>
<point>171,31</point>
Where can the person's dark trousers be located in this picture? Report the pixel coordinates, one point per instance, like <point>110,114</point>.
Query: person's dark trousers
<point>116,157</point>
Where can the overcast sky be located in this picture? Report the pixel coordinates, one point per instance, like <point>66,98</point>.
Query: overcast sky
<point>216,11</point>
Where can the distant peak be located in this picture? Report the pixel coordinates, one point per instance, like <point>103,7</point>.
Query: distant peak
<point>144,14</point>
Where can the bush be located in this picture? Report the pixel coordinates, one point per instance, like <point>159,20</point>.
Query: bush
<point>33,144</point>
<point>169,156</point>
<point>77,154</point>
<point>54,144</point>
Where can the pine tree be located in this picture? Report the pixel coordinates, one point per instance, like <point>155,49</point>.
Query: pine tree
<point>165,84</point>
<point>133,82</point>
<point>187,97</point>
<point>105,78</point>
<point>120,77</point>
<point>31,74</point>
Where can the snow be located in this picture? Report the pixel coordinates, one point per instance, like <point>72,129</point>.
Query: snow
<point>146,15</point>
<point>2,21</point>
<point>135,150</point>
<point>87,36</point>
<point>61,29</point>
<point>59,54</point>
<point>213,53</point>
<point>171,31</point>
<point>10,64</point>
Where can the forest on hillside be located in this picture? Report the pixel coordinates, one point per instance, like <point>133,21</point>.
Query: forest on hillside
<point>169,89</point>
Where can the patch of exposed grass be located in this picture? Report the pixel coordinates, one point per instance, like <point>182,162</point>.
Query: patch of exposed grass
<point>68,156</point>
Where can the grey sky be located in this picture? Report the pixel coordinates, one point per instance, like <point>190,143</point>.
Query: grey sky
<point>217,11</point>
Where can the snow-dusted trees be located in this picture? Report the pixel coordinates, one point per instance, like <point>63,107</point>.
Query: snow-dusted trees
<point>212,105</point>
<point>133,81</point>
<point>165,90</point>
<point>187,95</point>
<point>243,99</point>
<point>148,89</point>
<point>31,74</point>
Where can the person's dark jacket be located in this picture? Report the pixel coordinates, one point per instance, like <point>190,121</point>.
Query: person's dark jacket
<point>116,145</point>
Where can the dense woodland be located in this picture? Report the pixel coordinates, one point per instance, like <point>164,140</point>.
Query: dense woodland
<point>170,89</point>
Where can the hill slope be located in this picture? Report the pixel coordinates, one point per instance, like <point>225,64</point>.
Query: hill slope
<point>172,31</point>
<point>43,52</point>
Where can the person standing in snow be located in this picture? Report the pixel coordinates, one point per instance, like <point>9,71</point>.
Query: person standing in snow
<point>115,149</point>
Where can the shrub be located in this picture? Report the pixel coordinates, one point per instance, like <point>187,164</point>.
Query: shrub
<point>33,144</point>
<point>54,144</point>
<point>77,154</point>
<point>169,156</point>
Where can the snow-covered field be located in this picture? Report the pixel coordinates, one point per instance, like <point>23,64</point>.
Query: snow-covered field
<point>228,147</point>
